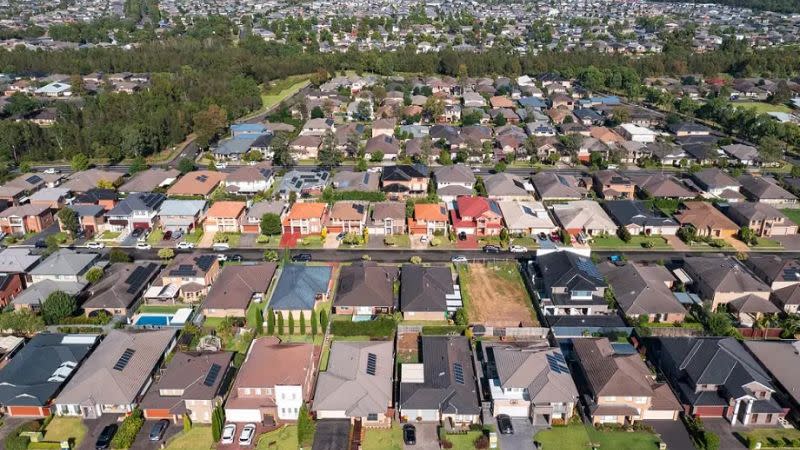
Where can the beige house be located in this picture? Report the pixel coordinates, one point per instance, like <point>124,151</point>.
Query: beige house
<point>723,280</point>
<point>428,293</point>
<point>192,274</point>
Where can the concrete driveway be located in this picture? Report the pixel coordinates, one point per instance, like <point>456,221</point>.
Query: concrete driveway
<point>673,432</point>
<point>427,438</point>
<point>143,441</point>
<point>723,429</point>
<point>95,426</point>
<point>522,439</point>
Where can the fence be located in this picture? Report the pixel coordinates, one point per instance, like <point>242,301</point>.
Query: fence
<point>537,332</point>
<point>756,333</point>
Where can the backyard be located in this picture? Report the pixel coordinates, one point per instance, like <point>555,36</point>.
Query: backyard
<point>280,90</point>
<point>495,295</point>
<point>793,214</point>
<point>284,438</point>
<point>761,107</point>
<point>383,438</point>
<point>577,437</point>
<point>772,437</point>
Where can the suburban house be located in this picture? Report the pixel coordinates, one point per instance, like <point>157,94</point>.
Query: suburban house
<point>551,186</point>
<point>572,285</point>
<point>199,183</point>
<point>273,383</point>
<point>584,216</point>
<point>428,219</point>
<point>149,180</point>
<point>304,183</point>
<point>776,271</point>
<point>644,290</point>
<point>716,377</point>
<point>54,198</point>
<point>454,180</point>
<point>476,216</point>
<point>706,219</point>
<point>638,219</point>
<point>357,181</point>
<point>348,217</point>
<point>249,179</point>
<point>366,289</point>
<point>182,215</point>
<point>38,372</point>
<point>93,178</point>
<point>746,155</point>
<point>191,385</point>
<point>387,218</point>
<point>428,293</point>
<point>780,360</point>
<point>318,127</point>
<point>764,219</point>
<point>236,287</point>
<point>135,212</point>
<point>443,386</point>
<point>724,280</point>
<point>114,378</point>
<point>225,217</point>
<point>35,294</point>
<point>11,284</point>
<point>192,274</point>
<point>357,384</point>
<point>107,198</point>
<point>27,218</point>
<point>304,219</point>
<point>619,387</point>
<point>120,290</point>
<point>526,218</point>
<point>610,184</point>
<point>716,182</point>
<point>300,288</point>
<point>766,190</point>
<point>659,186</point>
<point>64,265</point>
<point>387,147</point>
<point>531,381</point>
<point>506,187</point>
<point>402,180</point>
<point>91,219</point>
<point>637,133</point>
<point>253,216</point>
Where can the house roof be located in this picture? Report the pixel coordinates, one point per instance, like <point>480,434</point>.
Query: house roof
<point>356,181</point>
<point>774,268</point>
<point>65,262</point>
<point>456,173</point>
<point>236,285</point>
<point>249,174</point>
<point>257,210</point>
<point>49,194</point>
<point>703,215</point>
<point>269,363</point>
<point>504,184</point>
<point>28,209</point>
<point>519,215</point>
<point>349,210</point>
<point>36,293</point>
<point>14,260</point>
<point>388,145</point>
<point>753,211</point>
<point>753,304</point>
<point>443,357</point>
<point>188,373</point>
<point>149,180</point>
<point>358,379</point>
<point>762,188</point>
<point>172,207</point>
<point>190,265</point>
<point>388,210</point>
<point>226,209</point>
<point>137,202</point>
<point>724,274</point>
<point>366,284</point>
<point>474,206</point>
<point>299,285</point>
<point>641,289</point>
<point>781,360</point>
<point>552,185</point>
<point>714,178</point>
<point>199,182</point>
<point>122,285</point>
<point>430,212</point>
<point>542,370</point>
<point>583,214</point>
<point>425,288</point>
<point>307,211</point>
<point>89,179</point>
<point>106,379</point>
<point>635,212</point>
<point>570,270</point>
<point>660,185</point>
<point>404,172</point>
<point>611,374</point>
<point>297,181</point>
<point>39,370</point>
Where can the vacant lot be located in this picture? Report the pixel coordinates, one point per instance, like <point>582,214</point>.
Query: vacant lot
<point>495,295</point>
<point>408,347</point>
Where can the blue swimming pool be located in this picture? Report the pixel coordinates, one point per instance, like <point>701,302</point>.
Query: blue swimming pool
<point>153,320</point>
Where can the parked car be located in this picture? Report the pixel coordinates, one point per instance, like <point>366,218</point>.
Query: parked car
<point>462,236</point>
<point>158,430</point>
<point>491,249</point>
<point>518,249</point>
<point>52,171</point>
<point>409,434</point>
<point>236,258</point>
<point>302,257</point>
<point>504,424</point>
<point>246,438</point>
<point>228,434</point>
<point>542,236</point>
<point>222,258</point>
<point>423,239</point>
<point>167,236</point>
<point>137,233</point>
<point>40,243</point>
<point>104,440</point>
<point>143,246</point>
<point>341,236</point>
<point>95,244</point>
<point>221,246</point>
<point>184,245</point>
<point>177,235</point>
<point>460,259</point>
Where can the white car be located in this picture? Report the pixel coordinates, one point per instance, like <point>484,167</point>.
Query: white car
<point>246,438</point>
<point>143,246</point>
<point>459,259</point>
<point>221,165</point>
<point>95,244</point>
<point>221,258</point>
<point>228,434</point>
<point>184,245</point>
<point>221,246</point>
<point>518,249</point>
<point>476,170</point>
<point>51,171</point>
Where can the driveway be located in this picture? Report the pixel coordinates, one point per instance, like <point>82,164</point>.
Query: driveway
<point>330,241</point>
<point>522,439</point>
<point>723,429</point>
<point>677,244</point>
<point>143,442</point>
<point>332,434</point>
<point>206,241</point>
<point>673,433</point>
<point>94,427</point>
<point>248,240</point>
<point>417,245</point>
<point>427,438</point>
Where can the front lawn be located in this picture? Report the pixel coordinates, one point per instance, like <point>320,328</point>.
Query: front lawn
<point>232,239</point>
<point>793,214</point>
<point>466,441</point>
<point>614,242</point>
<point>109,235</point>
<point>65,429</point>
<point>383,438</point>
<point>194,237</point>
<point>310,242</point>
<point>767,243</point>
<point>396,240</point>
<point>199,437</point>
<point>772,437</point>
<point>577,437</point>
<point>155,237</point>
<point>284,438</point>
<point>527,241</point>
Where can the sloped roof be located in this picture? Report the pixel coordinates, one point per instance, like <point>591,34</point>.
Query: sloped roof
<point>568,269</point>
<point>611,374</point>
<point>36,293</point>
<point>541,370</point>
<point>425,288</point>
<point>149,180</point>
<point>724,274</point>
<point>65,262</point>
<point>188,372</point>
<point>456,173</point>
<point>551,185</point>
<point>366,284</point>
<point>504,184</point>
<point>236,285</point>
<point>583,214</point>
<point>641,289</point>
<point>122,285</point>
<point>299,285</point>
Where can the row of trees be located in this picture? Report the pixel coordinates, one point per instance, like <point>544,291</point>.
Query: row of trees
<point>277,324</point>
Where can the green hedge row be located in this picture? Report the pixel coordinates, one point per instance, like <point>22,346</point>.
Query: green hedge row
<point>383,326</point>
<point>128,430</point>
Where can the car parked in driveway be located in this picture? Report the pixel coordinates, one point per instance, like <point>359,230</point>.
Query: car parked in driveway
<point>409,434</point>
<point>504,424</point>
<point>228,434</point>
<point>104,440</point>
<point>246,438</point>
<point>158,430</point>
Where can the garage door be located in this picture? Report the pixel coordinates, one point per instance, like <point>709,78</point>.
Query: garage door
<point>427,415</point>
<point>513,411</point>
<point>243,415</point>
<point>659,415</point>
<point>141,225</point>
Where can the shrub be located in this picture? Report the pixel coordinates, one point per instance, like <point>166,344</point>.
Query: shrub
<point>711,440</point>
<point>118,256</point>
<point>435,242</point>
<point>383,326</point>
<point>415,260</point>
<point>305,427</point>
<point>127,432</point>
<point>647,244</point>
<point>482,442</point>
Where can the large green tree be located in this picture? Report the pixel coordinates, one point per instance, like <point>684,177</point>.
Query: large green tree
<point>57,306</point>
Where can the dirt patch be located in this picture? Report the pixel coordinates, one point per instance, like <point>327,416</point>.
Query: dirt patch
<point>408,347</point>
<point>496,295</point>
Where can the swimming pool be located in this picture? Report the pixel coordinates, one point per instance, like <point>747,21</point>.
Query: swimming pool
<point>153,321</point>
<point>157,320</point>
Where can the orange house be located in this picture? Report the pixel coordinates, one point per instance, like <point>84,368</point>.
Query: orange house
<point>428,219</point>
<point>305,219</point>
<point>225,217</point>
<point>26,219</point>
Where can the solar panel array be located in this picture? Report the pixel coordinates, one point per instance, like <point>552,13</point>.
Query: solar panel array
<point>138,278</point>
<point>212,375</point>
<point>586,266</point>
<point>34,179</point>
<point>202,178</point>
<point>124,359</point>
<point>557,363</point>
<point>458,371</point>
<point>372,361</point>
<point>205,262</point>
<point>791,274</point>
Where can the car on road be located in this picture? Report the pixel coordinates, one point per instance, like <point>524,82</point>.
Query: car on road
<point>104,440</point>
<point>52,171</point>
<point>95,244</point>
<point>491,249</point>
<point>158,430</point>
<point>409,434</point>
<point>221,246</point>
<point>476,170</point>
<point>518,249</point>
<point>221,165</point>
<point>246,438</point>
<point>184,245</point>
<point>236,258</point>
<point>302,257</point>
<point>221,257</point>
<point>143,246</point>
<point>504,424</point>
<point>460,259</point>
<point>40,243</point>
<point>228,434</point>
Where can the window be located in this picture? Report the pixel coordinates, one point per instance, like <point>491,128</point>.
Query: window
<point>628,399</point>
<point>641,399</point>
<point>769,418</point>
<point>372,416</point>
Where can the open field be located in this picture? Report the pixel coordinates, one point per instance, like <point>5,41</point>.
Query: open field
<point>282,89</point>
<point>762,107</point>
<point>408,347</point>
<point>495,295</point>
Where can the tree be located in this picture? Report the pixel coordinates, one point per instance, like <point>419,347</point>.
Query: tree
<point>185,165</point>
<point>138,165</point>
<point>329,155</point>
<point>117,255</point>
<point>376,156</point>
<point>291,323</point>
<point>271,224</point>
<point>22,322</point>
<point>500,167</point>
<point>208,123</point>
<point>460,317</point>
<point>57,306</point>
<point>624,234</point>
<point>317,113</point>
<point>364,110</point>
<point>323,320</point>
<point>217,422</point>
<point>305,427</point>
<point>69,221</point>
<point>433,108</point>
<point>280,323</point>
<point>187,423</point>
<point>504,236</point>
<point>270,321</point>
<point>314,324</point>
<point>94,275</point>
<point>499,120</point>
<point>781,94</point>
<point>270,255</point>
<point>361,165</point>
<point>302,323</point>
<point>748,236</point>
<point>444,158</point>
<point>771,149</point>
<point>166,253</point>
<point>258,326</point>
<point>79,162</point>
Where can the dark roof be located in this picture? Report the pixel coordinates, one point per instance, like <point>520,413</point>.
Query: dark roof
<point>190,265</point>
<point>425,288</point>
<point>299,286</point>
<point>634,212</point>
<point>611,374</point>
<point>366,284</point>
<point>140,201</point>
<point>331,434</point>
<point>713,178</point>
<point>570,270</point>
<point>442,389</point>
<point>200,376</point>
<point>95,195</point>
<point>122,285</point>
<point>771,268</point>
<point>39,370</point>
<point>404,172</point>
<point>236,285</point>
<point>688,127</point>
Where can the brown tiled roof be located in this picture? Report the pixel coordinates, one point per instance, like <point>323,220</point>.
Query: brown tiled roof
<point>236,285</point>
<point>610,374</point>
<point>199,182</point>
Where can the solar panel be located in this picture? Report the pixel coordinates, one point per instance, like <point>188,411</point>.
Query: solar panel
<point>34,179</point>
<point>212,375</point>
<point>458,371</point>
<point>205,262</point>
<point>124,359</point>
<point>372,361</point>
<point>202,178</point>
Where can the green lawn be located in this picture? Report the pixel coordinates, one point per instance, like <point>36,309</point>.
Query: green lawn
<point>767,243</point>
<point>155,237</point>
<point>383,438</point>
<point>465,441</point>
<point>281,439</point>
<point>793,214</point>
<point>615,242</point>
<point>193,237</point>
<point>161,308</point>
<point>323,359</point>
<point>527,241</point>
<point>399,240</point>
<point>576,437</point>
<point>231,238</point>
<point>109,235</point>
<point>280,90</point>
<point>199,437</point>
<point>310,242</point>
<point>773,437</point>
<point>762,107</point>
<point>66,429</point>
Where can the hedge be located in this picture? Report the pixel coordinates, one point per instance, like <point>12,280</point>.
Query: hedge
<point>16,442</point>
<point>44,446</point>
<point>442,330</point>
<point>128,430</point>
<point>381,327</point>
